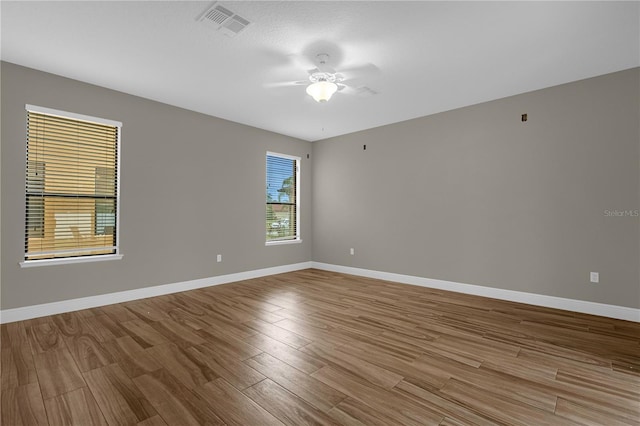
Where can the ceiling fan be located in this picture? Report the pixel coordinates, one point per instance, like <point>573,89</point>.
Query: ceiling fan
<point>323,81</point>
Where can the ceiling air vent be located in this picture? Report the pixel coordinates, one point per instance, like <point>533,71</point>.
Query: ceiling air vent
<point>222,19</point>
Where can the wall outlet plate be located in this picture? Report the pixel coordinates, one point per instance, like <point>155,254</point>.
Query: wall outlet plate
<point>594,277</point>
<point>219,258</point>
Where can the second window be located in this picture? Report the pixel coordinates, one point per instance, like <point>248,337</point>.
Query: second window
<point>282,214</point>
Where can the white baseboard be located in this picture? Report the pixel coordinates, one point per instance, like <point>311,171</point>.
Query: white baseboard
<point>601,309</point>
<point>593,308</point>
<point>35,311</point>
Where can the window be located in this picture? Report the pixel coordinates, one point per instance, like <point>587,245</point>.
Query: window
<point>71,186</point>
<point>283,191</point>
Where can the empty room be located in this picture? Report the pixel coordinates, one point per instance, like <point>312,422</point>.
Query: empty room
<point>319,213</point>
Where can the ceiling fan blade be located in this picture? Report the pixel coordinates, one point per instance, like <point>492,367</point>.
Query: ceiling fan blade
<point>362,91</point>
<point>343,88</point>
<point>286,84</point>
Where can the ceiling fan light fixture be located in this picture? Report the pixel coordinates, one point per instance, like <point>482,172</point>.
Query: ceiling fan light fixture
<point>321,91</point>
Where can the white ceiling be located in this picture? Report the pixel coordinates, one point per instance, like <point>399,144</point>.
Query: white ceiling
<point>430,56</point>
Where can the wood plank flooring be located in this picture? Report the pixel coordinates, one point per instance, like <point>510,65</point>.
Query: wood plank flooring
<point>320,348</point>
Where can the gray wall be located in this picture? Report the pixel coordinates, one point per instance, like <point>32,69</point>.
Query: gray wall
<point>192,187</point>
<point>476,196</point>
<point>472,195</point>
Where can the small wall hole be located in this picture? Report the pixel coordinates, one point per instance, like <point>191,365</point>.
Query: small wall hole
<point>524,118</point>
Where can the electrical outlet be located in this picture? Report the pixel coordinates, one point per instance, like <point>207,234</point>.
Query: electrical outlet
<point>352,251</point>
<point>219,258</point>
<point>595,277</point>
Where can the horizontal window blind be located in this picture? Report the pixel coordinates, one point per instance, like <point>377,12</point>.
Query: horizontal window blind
<point>71,186</point>
<point>282,198</point>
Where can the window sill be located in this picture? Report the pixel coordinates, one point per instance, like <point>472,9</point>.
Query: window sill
<point>68,260</point>
<point>283,242</point>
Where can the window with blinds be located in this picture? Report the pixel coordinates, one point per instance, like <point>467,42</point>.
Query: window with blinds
<point>71,185</point>
<point>282,216</point>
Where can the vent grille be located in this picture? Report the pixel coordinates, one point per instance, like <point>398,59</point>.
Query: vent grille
<point>218,15</point>
<point>223,20</point>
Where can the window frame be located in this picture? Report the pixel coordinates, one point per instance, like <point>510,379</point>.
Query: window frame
<point>117,255</point>
<point>298,237</point>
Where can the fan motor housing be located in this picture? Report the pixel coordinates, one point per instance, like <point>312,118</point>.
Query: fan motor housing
<point>323,76</point>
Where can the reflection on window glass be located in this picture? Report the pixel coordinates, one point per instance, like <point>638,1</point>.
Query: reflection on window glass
<point>105,217</point>
<point>35,199</point>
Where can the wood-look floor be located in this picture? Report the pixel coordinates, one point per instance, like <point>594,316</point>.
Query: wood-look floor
<point>314,347</point>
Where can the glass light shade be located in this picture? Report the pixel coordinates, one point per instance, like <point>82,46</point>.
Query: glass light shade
<point>322,91</point>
